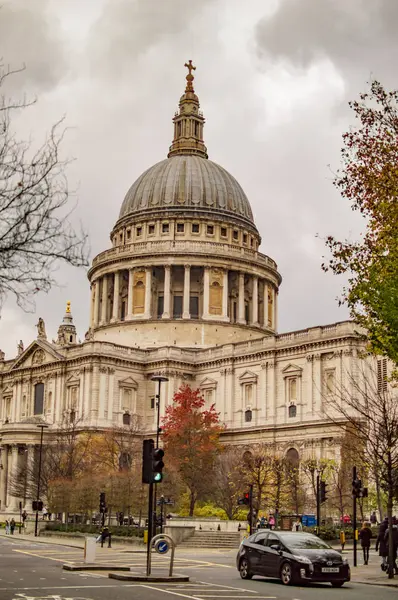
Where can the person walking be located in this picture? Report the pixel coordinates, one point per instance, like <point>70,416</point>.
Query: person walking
<point>271,522</point>
<point>297,526</point>
<point>365,535</point>
<point>7,527</point>
<point>381,545</point>
<point>24,517</point>
<point>395,544</point>
<point>12,526</point>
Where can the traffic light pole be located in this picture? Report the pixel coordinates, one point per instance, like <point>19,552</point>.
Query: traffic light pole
<point>318,504</point>
<point>150,527</point>
<point>354,516</point>
<point>251,508</point>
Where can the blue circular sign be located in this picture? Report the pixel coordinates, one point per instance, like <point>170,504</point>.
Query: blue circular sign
<point>162,546</point>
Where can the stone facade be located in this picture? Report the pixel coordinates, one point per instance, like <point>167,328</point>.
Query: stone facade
<point>185,292</point>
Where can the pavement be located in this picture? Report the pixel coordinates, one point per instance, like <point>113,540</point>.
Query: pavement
<point>31,569</point>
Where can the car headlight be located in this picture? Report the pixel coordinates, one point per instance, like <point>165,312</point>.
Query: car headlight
<point>304,559</point>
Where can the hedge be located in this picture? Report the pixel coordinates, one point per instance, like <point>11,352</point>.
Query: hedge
<point>116,530</point>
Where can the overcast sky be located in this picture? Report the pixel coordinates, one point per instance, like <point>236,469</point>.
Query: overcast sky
<point>273,78</point>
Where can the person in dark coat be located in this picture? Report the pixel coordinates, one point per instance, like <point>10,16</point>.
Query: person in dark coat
<point>365,535</point>
<point>381,545</point>
<point>395,544</point>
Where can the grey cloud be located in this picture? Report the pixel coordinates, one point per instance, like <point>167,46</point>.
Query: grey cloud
<point>30,35</point>
<point>358,36</point>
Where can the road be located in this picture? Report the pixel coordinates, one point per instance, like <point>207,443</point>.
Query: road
<point>32,571</point>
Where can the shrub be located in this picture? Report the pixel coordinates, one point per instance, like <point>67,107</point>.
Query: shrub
<point>122,531</point>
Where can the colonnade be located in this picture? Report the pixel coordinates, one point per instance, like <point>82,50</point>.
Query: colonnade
<point>219,290</point>
<point>16,471</point>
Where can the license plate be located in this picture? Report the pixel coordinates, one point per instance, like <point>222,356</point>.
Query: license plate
<point>330,569</point>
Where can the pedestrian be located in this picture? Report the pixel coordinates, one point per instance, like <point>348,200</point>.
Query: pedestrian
<point>395,544</point>
<point>365,536</point>
<point>24,517</point>
<point>7,527</point>
<point>297,526</point>
<point>373,518</point>
<point>12,526</point>
<point>271,522</point>
<point>381,545</point>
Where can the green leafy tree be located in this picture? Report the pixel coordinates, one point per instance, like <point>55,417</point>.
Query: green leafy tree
<point>368,179</point>
<point>191,437</point>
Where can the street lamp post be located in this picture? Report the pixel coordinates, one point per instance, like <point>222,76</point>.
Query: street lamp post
<point>42,426</point>
<point>159,379</point>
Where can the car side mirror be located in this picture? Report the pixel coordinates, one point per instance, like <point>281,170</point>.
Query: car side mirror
<point>276,547</point>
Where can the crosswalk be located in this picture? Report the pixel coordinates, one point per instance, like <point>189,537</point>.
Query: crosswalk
<point>134,560</point>
<point>206,591</point>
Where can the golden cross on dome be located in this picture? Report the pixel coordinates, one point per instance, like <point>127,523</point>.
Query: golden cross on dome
<point>189,77</point>
<point>68,307</point>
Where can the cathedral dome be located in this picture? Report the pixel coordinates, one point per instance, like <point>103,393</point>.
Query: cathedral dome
<point>187,182</point>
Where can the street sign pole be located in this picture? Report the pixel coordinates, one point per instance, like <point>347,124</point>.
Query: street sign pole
<point>251,508</point>
<point>354,516</point>
<point>318,504</point>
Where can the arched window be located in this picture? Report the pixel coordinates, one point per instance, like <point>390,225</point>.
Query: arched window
<point>39,399</point>
<point>126,418</point>
<point>248,416</point>
<point>292,410</point>
<point>292,456</point>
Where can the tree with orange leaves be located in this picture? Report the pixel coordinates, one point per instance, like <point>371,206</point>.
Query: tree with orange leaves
<point>191,437</point>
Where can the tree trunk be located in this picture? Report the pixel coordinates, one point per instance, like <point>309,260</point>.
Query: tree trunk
<point>378,496</point>
<point>192,503</point>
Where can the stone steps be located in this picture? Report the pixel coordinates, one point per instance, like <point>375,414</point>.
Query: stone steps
<point>212,539</point>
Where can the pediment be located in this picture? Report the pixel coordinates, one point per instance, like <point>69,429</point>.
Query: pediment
<point>73,380</point>
<point>129,382</point>
<point>292,370</point>
<point>7,391</point>
<point>248,377</point>
<point>208,384</point>
<point>36,354</point>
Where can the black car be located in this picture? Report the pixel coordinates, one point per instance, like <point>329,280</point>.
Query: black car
<point>293,557</point>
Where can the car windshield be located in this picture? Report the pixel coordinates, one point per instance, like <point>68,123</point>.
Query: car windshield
<point>304,542</point>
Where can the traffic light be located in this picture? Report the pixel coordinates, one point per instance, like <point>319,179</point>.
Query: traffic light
<point>363,493</point>
<point>102,503</point>
<point>147,458</point>
<point>356,488</point>
<point>157,465</point>
<point>37,505</point>
<point>323,492</point>
<point>245,500</point>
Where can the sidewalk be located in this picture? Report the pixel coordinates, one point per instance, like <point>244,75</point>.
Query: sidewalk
<point>371,574</point>
<point>67,542</point>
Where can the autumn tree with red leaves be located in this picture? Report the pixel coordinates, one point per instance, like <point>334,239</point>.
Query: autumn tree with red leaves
<point>368,179</point>
<point>191,437</point>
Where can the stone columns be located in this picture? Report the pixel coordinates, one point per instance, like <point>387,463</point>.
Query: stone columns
<point>115,315</point>
<point>166,292</point>
<point>225,296</point>
<point>241,302</point>
<point>206,284</point>
<point>130,295</point>
<point>104,299</point>
<point>265,304</point>
<point>187,292</point>
<point>3,476</point>
<point>276,310</point>
<point>255,301</point>
<point>92,291</point>
<point>30,462</point>
<point>96,303</point>
<point>148,292</point>
<point>12,500</point>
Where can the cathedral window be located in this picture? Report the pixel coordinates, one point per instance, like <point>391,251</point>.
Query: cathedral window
<point>160,306</point>
<point>126,418</point>
<point>129,234</point>
<point>151,229</point>
<point>49,403</point>
<point>210,230</point>
<point>177,307</point>
<point>248,415</point>
<point>127,400</point>
<point>292,411</point>
<point>224,232</point>
<point>195,228</point>
<point>382,375</point>
<point>248,394</point>
<point>235,235</point>
<point>152,399</point>
<point>165,228</point>
<point>24,407</point>
<point>245,238</point>
<point>139,231</point>
<point>180,227</point>
<point>7,408</point>
<point>73,397</point>
<point>209,398</point>
<point>251,242</point>
<point>330,381</point>
<point>292,389</point>
<point>194,307</point>
<point>38,399</point>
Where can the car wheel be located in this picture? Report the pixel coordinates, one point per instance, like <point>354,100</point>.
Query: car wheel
<point>337,583</point>
<point>286,574</point>
<point>244,569</point>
